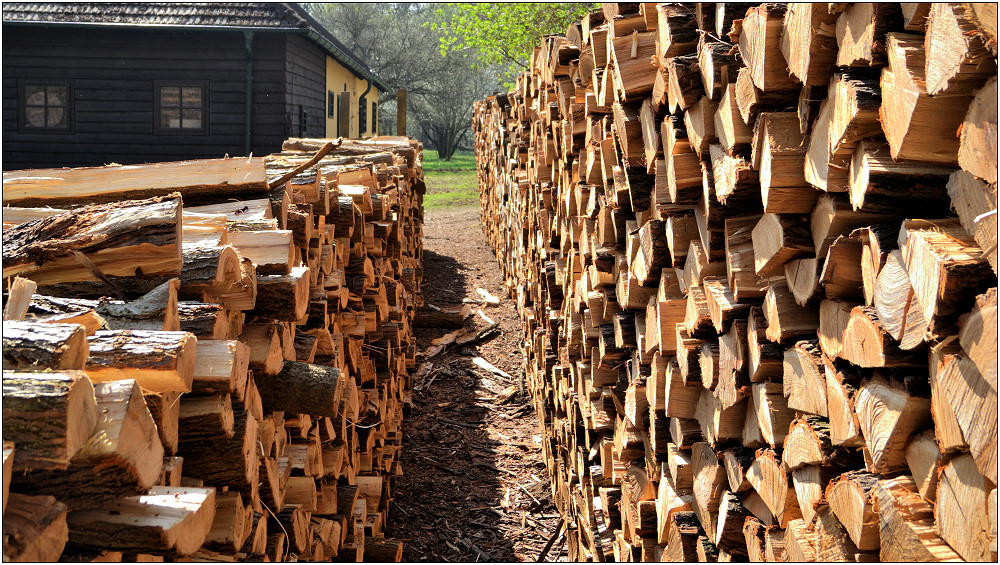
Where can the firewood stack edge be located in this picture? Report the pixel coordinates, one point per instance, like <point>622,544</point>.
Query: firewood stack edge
<point>207,360</point>
<point>754,252</point>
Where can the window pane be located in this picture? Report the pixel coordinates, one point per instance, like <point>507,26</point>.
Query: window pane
<point>192,119</point>
<point>34,117</point>
<point>191,96</point>
<point>170,96</point>
<point>170,118</point>
<point>57,118</point>
<point>34,95</point>
<point>57,96</point>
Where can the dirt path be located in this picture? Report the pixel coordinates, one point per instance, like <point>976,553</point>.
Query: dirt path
<point>474,486</point>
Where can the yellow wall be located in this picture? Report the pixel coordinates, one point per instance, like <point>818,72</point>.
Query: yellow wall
<point>338,79</point>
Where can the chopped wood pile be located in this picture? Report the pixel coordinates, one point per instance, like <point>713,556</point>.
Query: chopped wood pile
<point>754,250</point>
<point>207,360</point>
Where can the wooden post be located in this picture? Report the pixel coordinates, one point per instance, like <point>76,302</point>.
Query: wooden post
<point>401,111</point>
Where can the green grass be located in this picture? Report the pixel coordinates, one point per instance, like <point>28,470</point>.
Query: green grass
<point>450,183</point>
<point>460,161</point>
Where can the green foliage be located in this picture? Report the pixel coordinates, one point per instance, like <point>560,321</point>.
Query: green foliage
<point>503,33</point>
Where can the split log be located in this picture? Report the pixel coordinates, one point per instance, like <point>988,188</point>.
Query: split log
<point>975,336</point>
<point>947,432</point>
<point>156,310</point>
<point>29,346</point>
<point>896,304</point>
<point>229,526</point>
<point>302,388</point>
<point>977,151</point>
<point>971,198</point>
<point>779,238</point>
<point>734,365</point>
<point>218,178</point>
<point>877,242</point>
<point>960,513</point>
<point>765,356</point>
<point>889,415</point>
<point>734,134</point>
<point>49,416</point>
<point>804,378</point>
<point>265,348</point>
<point>752,101</point>
<point>868,344</point>
<point>220,460</point>
<point>165,519</point>
<point>18,298</point>
<point>165,408</point>
<point>781,154</point>
<point>800,542</point>
<point>946,267</point>
<point>115,240</point>
<point>158,361</point>
<point>35,528</point>
<point>208,270</point>
<point>718,62</point>
<point>853,498</point>
<point>773,414</point>
<point>123,456</point>
<point>924,458</point>
<point>809,42</point>
<point>283,297</point>
<point>957,59</point>
<point>683,536</point>
<point>834,315</point>
<point>770,479</point>
<point>834,545</point>
<point>709,478</point>
<point>881,185</point>
<point>841,394</point>
<point>743,279</point>
<point>861,33</point>
<point>760,46</point>
<point>220,366</point>
<point>841,275</point>
<point>907,524</point>
<point>785,318</point>
<point>8,470</point>
<point>973,401</point>
<point>729,529</point>
<point>918,127</point>
<point>808,443</point>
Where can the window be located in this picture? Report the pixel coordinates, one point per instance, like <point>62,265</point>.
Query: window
<point>331,105</point>
<point>362,116</point>
<point>374,117</point>
<point>46,106</point>
<point>180,108</point>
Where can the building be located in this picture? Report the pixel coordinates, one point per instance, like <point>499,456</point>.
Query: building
<point>96,83</point>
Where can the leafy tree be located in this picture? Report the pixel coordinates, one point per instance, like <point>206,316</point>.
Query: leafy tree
<point>503,33</point>
<point>394,39</point>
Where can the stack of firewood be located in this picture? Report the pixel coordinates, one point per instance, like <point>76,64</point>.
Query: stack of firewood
<point>208,359</point>
<point>754,251</point>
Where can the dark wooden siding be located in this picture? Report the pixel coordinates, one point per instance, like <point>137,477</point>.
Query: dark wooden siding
<point>113,72</point>
<point>270,122</point>
<point>305,87</point>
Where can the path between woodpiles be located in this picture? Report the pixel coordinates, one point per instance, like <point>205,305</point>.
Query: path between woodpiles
<point>474,486</point>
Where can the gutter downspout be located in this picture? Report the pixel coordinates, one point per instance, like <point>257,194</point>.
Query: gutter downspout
<point>248,117</point>
<point>363,94</point>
